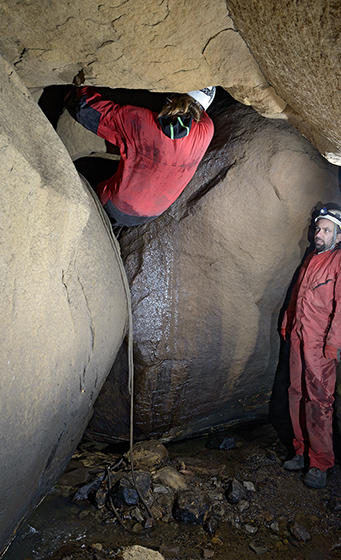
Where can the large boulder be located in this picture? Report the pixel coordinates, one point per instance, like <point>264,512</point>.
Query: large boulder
<point>208,279</point>
<point>283,62</point>
<point>297,47</point>
<point>63,304</point>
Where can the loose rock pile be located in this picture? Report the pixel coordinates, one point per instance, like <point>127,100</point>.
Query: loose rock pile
<point>233,499</point>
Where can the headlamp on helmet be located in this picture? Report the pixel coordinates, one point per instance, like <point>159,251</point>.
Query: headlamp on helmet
<point>333,214</point>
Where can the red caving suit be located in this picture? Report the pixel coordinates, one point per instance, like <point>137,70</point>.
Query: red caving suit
<point>154,169</point>
<point>313,319</point>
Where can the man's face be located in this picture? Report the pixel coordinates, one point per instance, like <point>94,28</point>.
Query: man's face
<point>324,234</point>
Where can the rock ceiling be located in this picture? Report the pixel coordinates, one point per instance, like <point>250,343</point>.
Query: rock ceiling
<point>282,58</point>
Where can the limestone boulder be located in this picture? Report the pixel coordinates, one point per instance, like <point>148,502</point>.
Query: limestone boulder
<point>209,277</point>
<point>63,304</point>
<point>282,62</point>
<point>298,48</point>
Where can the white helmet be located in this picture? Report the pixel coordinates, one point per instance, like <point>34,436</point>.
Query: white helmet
<point>203,96</point>
<point>332,214</point>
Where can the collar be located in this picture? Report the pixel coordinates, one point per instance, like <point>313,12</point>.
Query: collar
<point>331,249</point>
<point>174,129</point>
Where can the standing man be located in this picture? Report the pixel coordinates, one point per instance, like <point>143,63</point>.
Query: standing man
<point>159,152</point>
<point>313,322</point>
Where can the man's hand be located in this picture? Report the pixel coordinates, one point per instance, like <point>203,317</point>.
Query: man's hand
<point>331,353</point>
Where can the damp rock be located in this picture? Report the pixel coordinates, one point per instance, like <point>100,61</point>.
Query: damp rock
<point>101,495</point>
<point>299,532</point>
<point>251,529</point>
<point>211,525</point>
<point>137,514</point>
<point>83,494</point>
<point>164,502</point>
<point>249,486</point>
<point>207,554</point>
<point>171,478</point>
<point>243,505</point>
<point>160,489</point>
<point>125,493</point>
<point>148,455</point>
<point>170,551</point>
<point>191,507</point>
<point>258,547</point>
<point>235,492</point>
<point>274,527</point>
<point>225,443</point>
<point>137,552</point>
<point>137,528</point>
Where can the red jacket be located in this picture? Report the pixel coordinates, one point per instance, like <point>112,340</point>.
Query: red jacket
<point>154,169</point>
<point>314,310</point>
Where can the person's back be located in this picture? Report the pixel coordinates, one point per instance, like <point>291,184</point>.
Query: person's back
<point>154,169</point>
<point>159,152</point>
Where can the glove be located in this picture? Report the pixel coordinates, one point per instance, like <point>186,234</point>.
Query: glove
<point>331,353</point>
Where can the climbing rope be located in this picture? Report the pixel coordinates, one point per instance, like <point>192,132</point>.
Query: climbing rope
<point>116,247</point>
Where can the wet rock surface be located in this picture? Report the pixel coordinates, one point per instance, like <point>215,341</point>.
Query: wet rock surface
<point>272,513</point>
<point>205,293</point>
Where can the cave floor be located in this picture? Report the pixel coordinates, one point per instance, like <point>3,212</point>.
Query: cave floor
<point>282,519</point>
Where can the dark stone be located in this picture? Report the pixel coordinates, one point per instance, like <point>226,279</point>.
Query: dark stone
<point>191,507</point>
<point>225,443</point>
<point>258,547</point>
<point>125,493</point>
<point>300,532</point>
<point>211,525</point>
<point>82,494</point>
<point>101,495</point>
<point>235,492</point>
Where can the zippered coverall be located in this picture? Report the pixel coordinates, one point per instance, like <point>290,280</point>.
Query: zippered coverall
<point>154,169</point>
<point>313,320</point>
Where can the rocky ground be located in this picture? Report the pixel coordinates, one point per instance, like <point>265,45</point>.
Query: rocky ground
<point>221,497</point>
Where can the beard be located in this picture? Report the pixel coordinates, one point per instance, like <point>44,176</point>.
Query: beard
<point>320,245</point>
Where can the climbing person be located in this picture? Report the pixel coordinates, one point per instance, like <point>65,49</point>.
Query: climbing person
<point>159,152</point>
<point>312,322</point>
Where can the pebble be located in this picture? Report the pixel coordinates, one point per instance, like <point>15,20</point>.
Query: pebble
<point>243,505</point>
<point>274,527</point>
<point>300,532</point>
<point>258,548</point>
<point>97,546</point>
<point>137,528</point>
<point>211,525</point>
<point>235,492</point>
<point>249,485</point>
<point>251,529</point>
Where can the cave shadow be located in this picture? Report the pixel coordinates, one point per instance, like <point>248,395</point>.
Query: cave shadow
<point>279,415</point>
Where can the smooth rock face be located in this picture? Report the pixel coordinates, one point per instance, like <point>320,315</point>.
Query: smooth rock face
<point>63,305</point>
<point>208,279</point>
<point>282,61</point>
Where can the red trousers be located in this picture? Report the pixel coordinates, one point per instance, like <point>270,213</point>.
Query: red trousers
<point>311,397</point>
